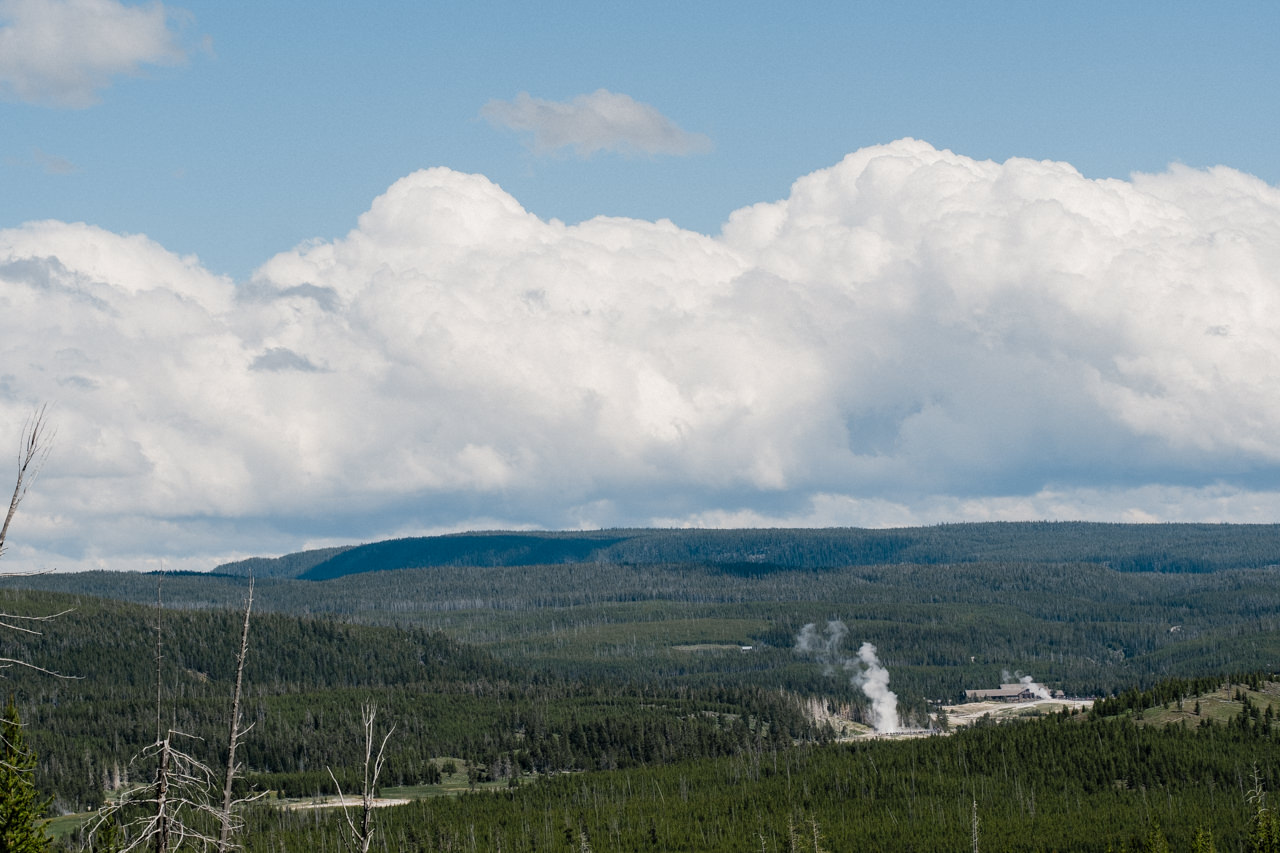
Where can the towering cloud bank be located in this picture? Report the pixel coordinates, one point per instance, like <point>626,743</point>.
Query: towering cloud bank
<point>910,336</point>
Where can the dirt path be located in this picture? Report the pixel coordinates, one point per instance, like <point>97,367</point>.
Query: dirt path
<point>349,802</point>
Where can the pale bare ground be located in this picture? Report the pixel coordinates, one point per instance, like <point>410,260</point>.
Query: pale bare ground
<point>349,802</point>
<point>970,712</point>
<point>958,715</point>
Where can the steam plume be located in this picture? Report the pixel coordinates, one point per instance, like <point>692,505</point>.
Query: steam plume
<point>874,681</point>
<point>1030,683</point>
<point>868,674</point>
<point>825,648</point>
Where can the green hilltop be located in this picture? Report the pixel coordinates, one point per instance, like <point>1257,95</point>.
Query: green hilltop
<point>1124,547</point>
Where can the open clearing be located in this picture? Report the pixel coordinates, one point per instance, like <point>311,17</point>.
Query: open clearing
<point>968,713</point>
<point>344,802</point>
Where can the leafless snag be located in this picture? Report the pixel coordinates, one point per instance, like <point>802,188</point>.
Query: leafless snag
<point>174,807</point>
<point>37,440</point>
<point>159,658</point>
<point>817,836</point>
<point>168,807</point>
<point>225,816</point>
<point>33,452</point>
<point>359,838</point>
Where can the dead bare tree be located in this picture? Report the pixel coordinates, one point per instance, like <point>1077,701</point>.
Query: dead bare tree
<point>37,439</point>
<point>159,659</point>
<point>168,806</point>
<point>33,452</point>
<point>177,806</point>
<point>225,816</point>
<point>360,837</point>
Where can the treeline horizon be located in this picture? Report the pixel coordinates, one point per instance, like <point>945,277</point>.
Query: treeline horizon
<point>1161,547</point>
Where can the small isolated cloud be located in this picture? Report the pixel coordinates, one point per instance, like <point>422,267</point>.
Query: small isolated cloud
<point>63,52</point>
<point>53,164</point>
<point>600,121</point>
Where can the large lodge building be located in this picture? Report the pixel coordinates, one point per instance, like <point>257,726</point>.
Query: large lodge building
<point>1004,693</point>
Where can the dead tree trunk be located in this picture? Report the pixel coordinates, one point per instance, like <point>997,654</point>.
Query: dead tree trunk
<point>159,658</point>
<point>162,799</point>
<point>359,838</point>
<point>224,835</point>
<point>177,804</point>
<point>162,769</point>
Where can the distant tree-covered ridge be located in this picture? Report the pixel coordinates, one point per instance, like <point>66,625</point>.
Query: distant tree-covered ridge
<point>1085,627</point>
<point>288,566</point>
<point>1123,547</point>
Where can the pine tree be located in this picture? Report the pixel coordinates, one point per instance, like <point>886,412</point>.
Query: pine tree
<point>1203,842</point>
<point>1264,831</point>
<point>21,808</point>
<point>1155,842</point>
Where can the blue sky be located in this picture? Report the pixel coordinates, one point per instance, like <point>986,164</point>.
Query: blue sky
<point>286,119</point>
<point>299,274</point>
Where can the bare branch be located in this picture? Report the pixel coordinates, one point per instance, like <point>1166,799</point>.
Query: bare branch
<point>37,440</point>
<point>180,790</point>
<point>5,663</point>
<point>37,437</point>
<point>49,618</point>
<point>342,800</point>
<point>361,837</point>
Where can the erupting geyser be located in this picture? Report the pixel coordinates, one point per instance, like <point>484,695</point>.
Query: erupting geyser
<point>868,674</point>
<point>874,681</point>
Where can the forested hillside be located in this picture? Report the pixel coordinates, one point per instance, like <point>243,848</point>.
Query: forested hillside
<point>306,680</point>
<point>674,675</point>
<point>1049,784</point>
<point>1124,547</point>
<point>940,628</point>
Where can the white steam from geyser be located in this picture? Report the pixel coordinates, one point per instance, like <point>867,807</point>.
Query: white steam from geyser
<point>1030,683</point>
<point>868,674</point>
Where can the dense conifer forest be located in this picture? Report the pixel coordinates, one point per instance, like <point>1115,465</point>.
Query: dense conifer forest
<point>641,690</point>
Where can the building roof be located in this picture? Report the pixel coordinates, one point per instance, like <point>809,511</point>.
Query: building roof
<point>1004,691</point>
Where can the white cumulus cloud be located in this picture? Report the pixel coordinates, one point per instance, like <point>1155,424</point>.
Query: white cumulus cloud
<point>600,121</point>
<point>911,336</point>
<point>62,52</point>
